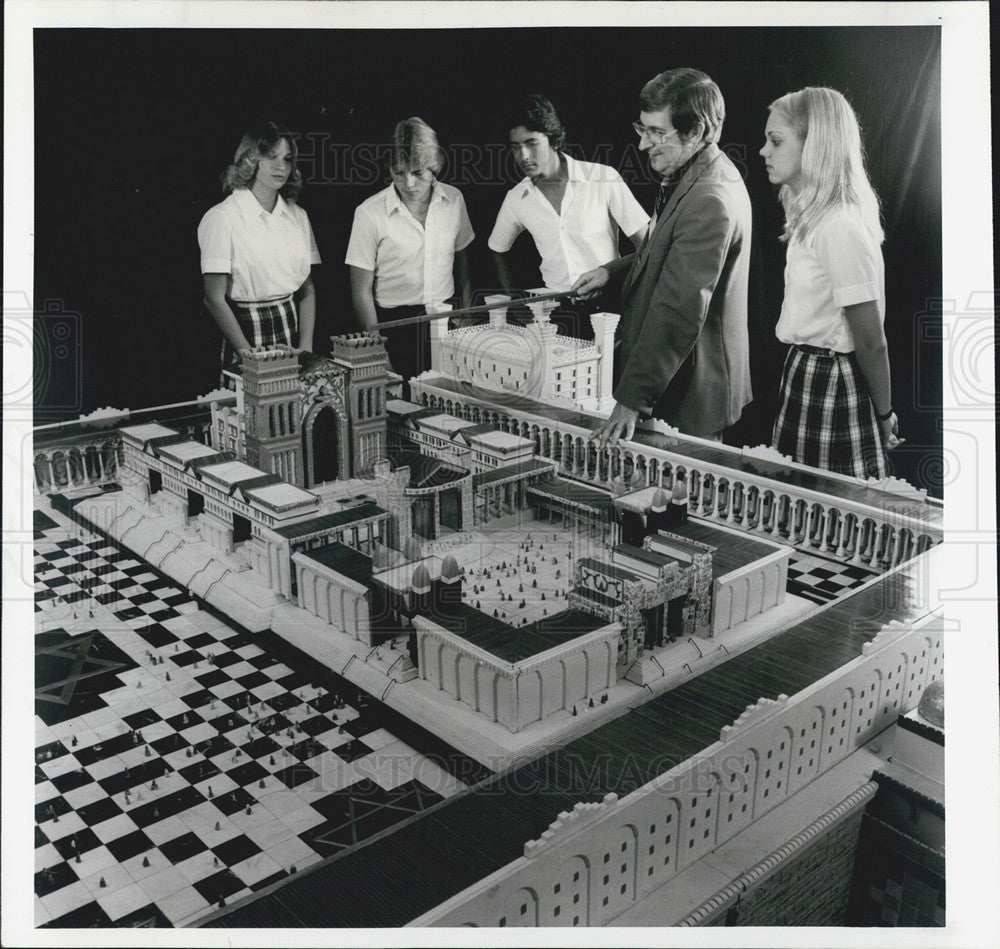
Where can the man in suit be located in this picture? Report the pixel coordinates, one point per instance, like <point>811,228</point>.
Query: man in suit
<point>683,350</point>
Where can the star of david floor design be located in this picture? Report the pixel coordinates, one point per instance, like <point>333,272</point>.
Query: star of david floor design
<point>181,764</point>
<point>71,672</point>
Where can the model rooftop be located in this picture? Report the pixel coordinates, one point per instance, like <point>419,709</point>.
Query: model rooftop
<point>448,424</point>
<point>231,472</point>
<point>282,495</point>
<point>344,560</point>
<point>143,433</point>
<point>731,551</point>
<point>501,440</point>
<point>402,407</point>
<point>512,644</point>
<point>187,451</point>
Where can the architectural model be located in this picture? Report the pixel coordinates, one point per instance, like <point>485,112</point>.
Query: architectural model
<point>467,559</point>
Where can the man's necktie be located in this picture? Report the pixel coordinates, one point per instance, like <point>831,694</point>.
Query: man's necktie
<point>661,200</point>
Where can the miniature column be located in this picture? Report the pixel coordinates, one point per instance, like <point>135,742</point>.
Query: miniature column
<point>604,325</point>
<point>823,546</point>
<point>876,544</point>
<point>498,317</point>
<point>439,333</point>
<point>745,508</point>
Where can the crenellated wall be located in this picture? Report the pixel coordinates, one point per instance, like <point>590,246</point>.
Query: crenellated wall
<point>638,843</point>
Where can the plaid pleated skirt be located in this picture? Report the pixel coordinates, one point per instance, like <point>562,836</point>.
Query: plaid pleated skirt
<point>826,418</point>
<point>267,323</point>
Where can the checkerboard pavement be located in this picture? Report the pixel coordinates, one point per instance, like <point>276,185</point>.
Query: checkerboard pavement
<point>178,764</point>
<point>822,580</point>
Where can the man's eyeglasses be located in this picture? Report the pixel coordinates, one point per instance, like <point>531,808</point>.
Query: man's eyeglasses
<point>657,136</point>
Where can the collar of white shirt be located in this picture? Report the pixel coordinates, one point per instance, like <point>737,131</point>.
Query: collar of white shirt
<point>393,202</point>
<point>251,208</point>
<point>574,172</point>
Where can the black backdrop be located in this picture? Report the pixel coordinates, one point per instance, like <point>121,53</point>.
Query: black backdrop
<point>133,127</point>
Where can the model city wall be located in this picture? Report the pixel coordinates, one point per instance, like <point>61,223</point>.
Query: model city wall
<point>597,861</point>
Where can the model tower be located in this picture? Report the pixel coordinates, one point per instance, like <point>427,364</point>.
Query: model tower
<point>366,361</point>
<point>272,426</point>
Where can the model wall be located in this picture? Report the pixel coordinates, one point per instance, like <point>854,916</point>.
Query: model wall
<point>743,594</point>
<point>810,887</point>
<point>516,695</point>
<point>635,845</point>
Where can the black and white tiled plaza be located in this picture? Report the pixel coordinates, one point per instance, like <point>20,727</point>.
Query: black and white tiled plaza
<point>181,765</point>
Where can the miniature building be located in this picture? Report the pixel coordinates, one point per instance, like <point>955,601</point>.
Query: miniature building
<point>474,446</point>
<point>233,505</point>
<point>307,418</point>
<point>683,568</point>
<point>532,359</point>
<point>504,464</point>
<point>747,575</point>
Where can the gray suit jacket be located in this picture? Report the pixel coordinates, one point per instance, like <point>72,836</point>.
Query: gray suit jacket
<point>683,352</point>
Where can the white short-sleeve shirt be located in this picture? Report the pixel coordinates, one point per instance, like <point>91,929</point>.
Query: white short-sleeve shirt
<point>583,234</point>
<point>840,265</point>
<point>267,255</point>
<point>413,264</point>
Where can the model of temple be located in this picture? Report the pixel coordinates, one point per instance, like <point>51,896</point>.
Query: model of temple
<point>468,559</point>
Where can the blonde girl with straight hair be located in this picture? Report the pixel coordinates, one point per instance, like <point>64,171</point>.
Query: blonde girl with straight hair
<point>835,402</point>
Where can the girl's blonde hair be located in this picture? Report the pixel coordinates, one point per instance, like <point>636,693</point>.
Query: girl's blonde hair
<point>833,165</point>
<point>256,144</point>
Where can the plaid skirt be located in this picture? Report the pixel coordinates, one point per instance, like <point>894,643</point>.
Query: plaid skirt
<point>826,418</point>
<point>267,323</point>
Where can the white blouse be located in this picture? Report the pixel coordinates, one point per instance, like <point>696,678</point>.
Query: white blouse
<point>839,265</point>
<point>267,255</point>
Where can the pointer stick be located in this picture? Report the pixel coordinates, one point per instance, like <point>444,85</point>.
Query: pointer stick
<point>471,310</point>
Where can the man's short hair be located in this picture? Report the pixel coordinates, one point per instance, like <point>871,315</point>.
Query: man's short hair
<point>692,98</point>
<point>414,143</point>
<point>537,114</point>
